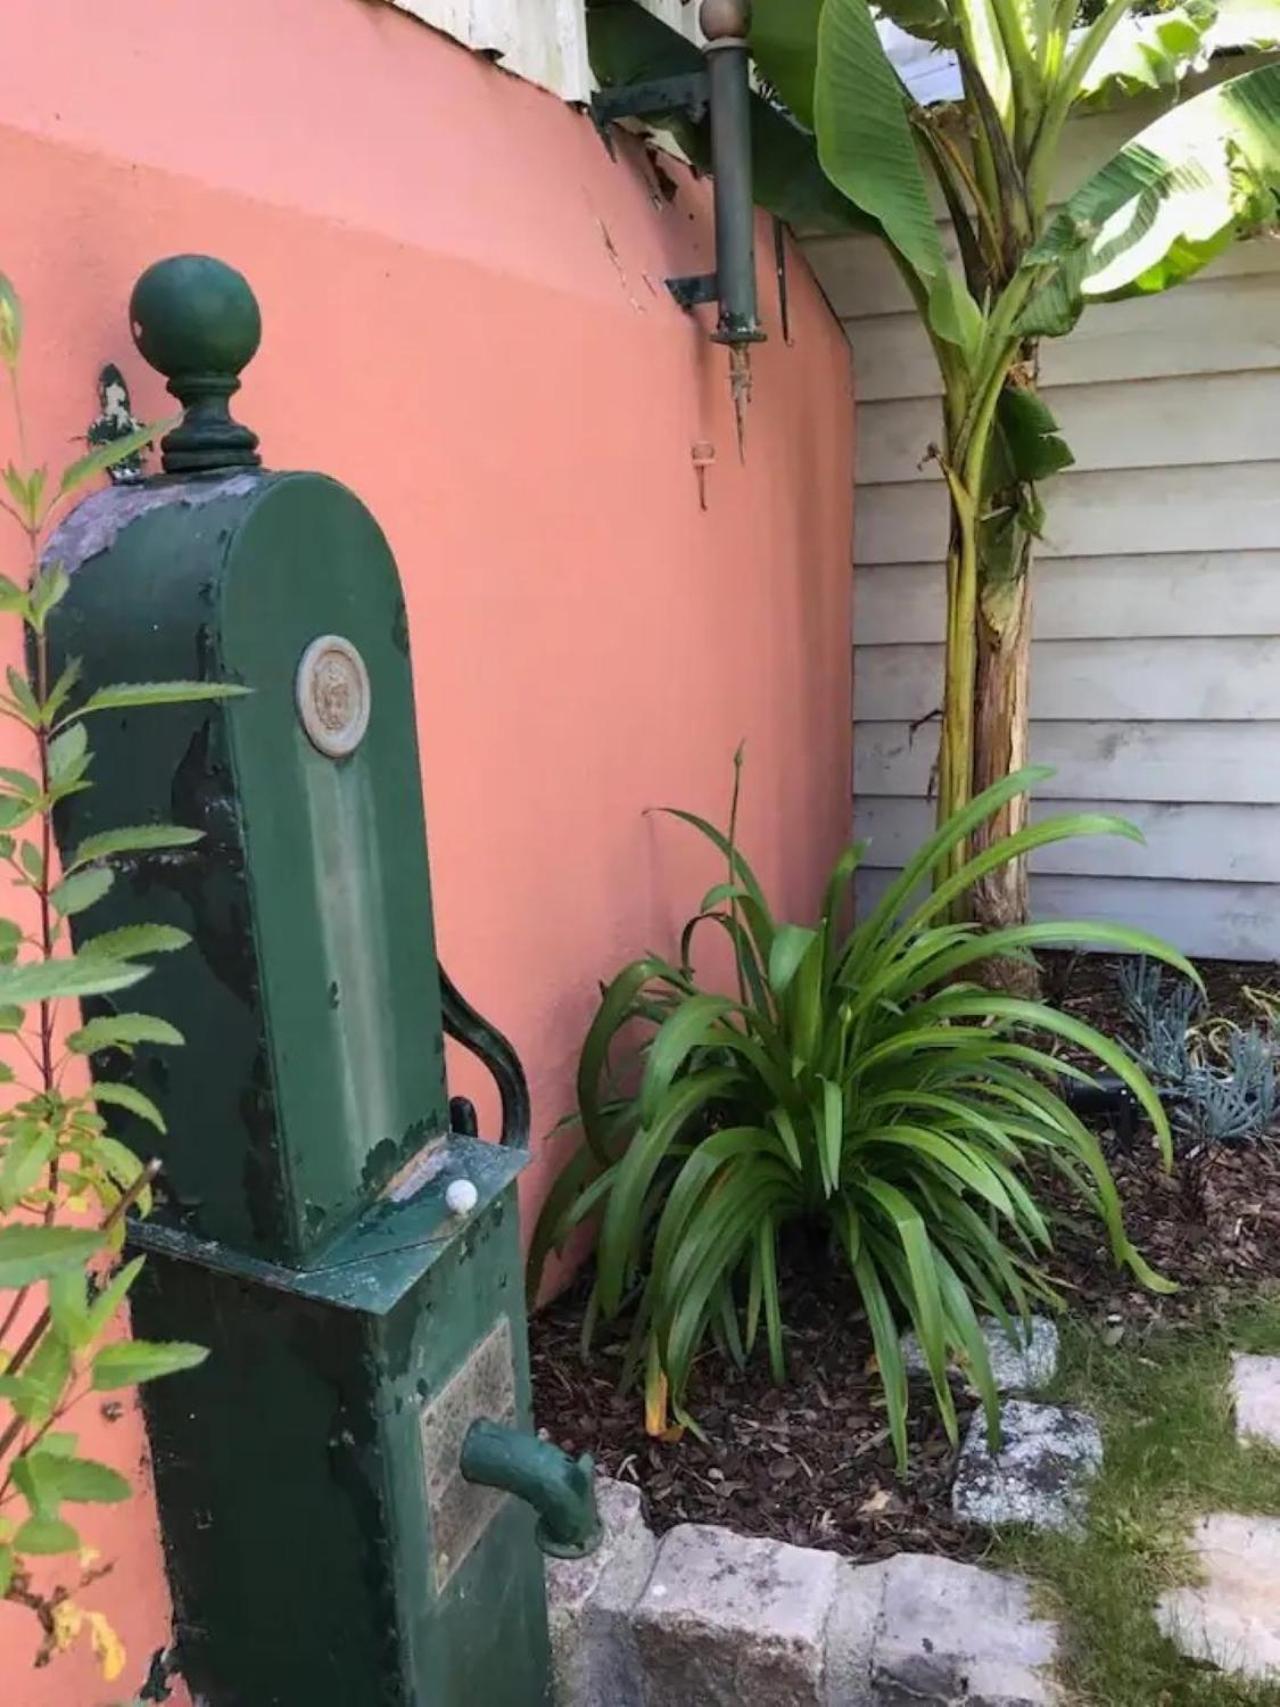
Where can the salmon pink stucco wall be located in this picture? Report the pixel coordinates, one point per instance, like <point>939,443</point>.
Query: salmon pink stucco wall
<point>465,319</point>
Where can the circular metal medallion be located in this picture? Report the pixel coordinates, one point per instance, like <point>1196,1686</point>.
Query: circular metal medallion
<point>333,695</point>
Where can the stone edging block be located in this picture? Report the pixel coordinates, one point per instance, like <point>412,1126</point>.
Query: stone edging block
<point>1021,1363</point>
<point>589,1602</point>
<point>707,1618</point>
<point>950,1633</point>
<point>728,1619</point>
<point>1048,1456</point>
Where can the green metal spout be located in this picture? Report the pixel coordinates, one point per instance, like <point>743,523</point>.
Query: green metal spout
<point>562,1490</point>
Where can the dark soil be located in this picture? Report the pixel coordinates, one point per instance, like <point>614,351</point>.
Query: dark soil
<point>810,1462</point>
<point>1085,985</point>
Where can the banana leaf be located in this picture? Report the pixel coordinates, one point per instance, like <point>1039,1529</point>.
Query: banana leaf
<point>1163,207</point>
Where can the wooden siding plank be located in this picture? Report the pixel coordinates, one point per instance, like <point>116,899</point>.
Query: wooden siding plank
<point>1236,921</point>
<point>1196,594</point>
<point>1221,680</point>
<point>677,16</point>
<point>1113,762</point>
<point>1228,920</point>
<point>1157,423</point>
<point>1117,512</point>
<point>1237,844</point>
<point>859,279</point>
<point>1224,326</point>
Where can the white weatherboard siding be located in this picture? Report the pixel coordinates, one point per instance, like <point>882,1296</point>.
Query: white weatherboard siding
<point>543,41</point>
<point>1156,667</point>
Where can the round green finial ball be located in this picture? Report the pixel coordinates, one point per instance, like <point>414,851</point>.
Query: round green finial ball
<point>192,314</point>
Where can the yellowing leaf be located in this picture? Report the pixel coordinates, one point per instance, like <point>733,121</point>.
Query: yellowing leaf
<point>10,324</point>
<point>67,1620</point>
<point>655,1406</point>
<point>108,1649</point>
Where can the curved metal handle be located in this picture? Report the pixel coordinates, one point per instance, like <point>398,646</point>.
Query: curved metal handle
<point>486,1042</point>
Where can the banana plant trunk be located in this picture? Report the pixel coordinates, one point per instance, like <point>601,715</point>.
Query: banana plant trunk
<point>985,709</point>
<point>955,748</point>
<point>1000,738</point>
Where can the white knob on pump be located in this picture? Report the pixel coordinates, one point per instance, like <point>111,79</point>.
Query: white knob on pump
<point>461,1196</point>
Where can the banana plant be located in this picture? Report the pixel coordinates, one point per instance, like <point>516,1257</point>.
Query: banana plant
<point>1203,174</point>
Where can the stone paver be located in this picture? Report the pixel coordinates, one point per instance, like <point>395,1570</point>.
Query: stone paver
<point>1255,1390</point>
<point>1023,1364</point>
<point>1048,1456</point>
<point>730,1620</point>
<point>951,1633</point>
<point>589,1602</point>
<point>1232,1618</point>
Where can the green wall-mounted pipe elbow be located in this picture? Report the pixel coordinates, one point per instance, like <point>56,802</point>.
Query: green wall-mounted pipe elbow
<point>562,1490</point>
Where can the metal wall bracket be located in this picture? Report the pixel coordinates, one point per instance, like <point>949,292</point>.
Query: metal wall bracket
<point>721,92</point>
<point>689,93</point>
<point>695,288</point>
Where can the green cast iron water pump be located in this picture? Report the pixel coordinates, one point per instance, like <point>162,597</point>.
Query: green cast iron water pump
<point>336,1482</point>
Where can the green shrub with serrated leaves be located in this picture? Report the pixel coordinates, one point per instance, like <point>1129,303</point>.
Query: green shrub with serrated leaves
<point>860,1079</point>
<point>66,1184</point>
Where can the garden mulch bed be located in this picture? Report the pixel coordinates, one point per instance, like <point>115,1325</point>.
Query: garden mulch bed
<point>1213,1224</point>
<point>811,1462</point>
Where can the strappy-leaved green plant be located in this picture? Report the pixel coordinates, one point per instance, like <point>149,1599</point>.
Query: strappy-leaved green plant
<point>857,1080</point>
